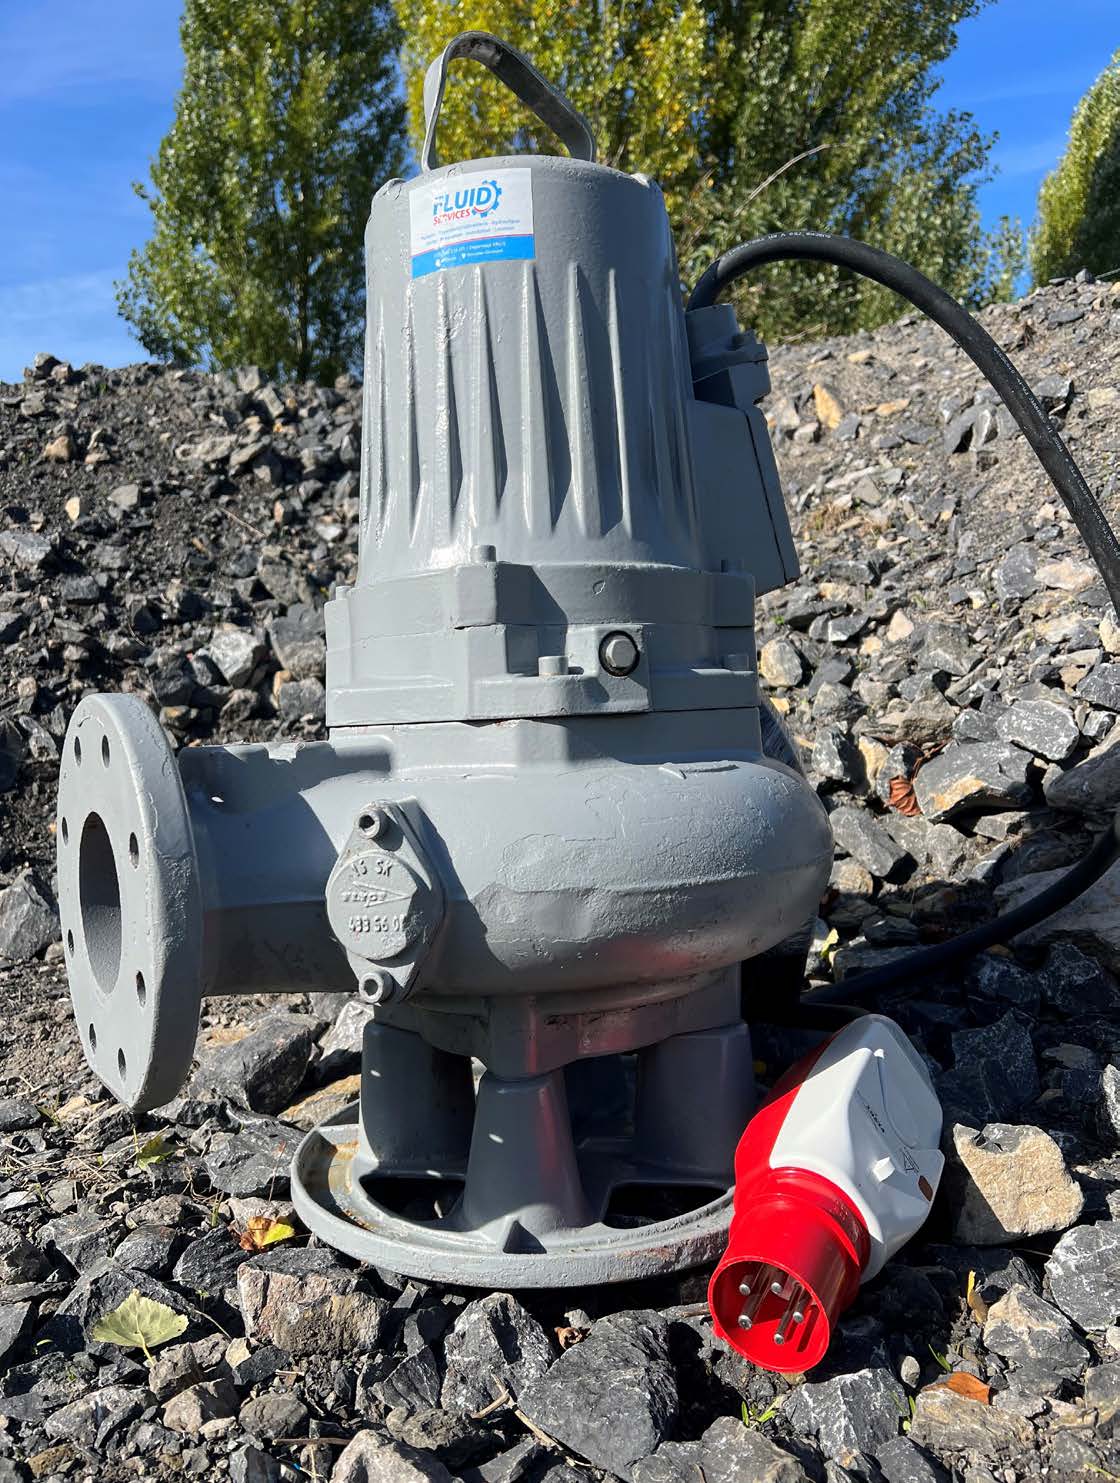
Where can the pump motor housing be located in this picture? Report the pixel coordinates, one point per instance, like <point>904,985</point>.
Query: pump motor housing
<point>553,827</point>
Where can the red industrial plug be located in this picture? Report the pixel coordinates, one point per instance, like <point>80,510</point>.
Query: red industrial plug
<point>835,1172</point>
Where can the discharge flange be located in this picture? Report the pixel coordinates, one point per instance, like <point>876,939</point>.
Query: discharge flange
<point>553,830</point>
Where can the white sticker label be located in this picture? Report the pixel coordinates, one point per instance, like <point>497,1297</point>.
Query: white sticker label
<point>464,219</point>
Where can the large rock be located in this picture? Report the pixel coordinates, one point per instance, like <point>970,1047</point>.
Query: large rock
<point>306,1303</point>
<point>849,1413</point>
<point>15,1326</point>
<point>92,1418</point>
<point>28,919</point>
<point>255,1161</point>
<point>780,664</point>
<point>190,1410</point>
<point>412,1384</point>
<point>236,653</point>
<point>900,1461</point>
<point>1005,1182</point>
<point>1102,687</point>
<point>613,1398</point>
<point>1071,983</point>
<point>495,1347</point>
<point>276,1413</point>
<point>82,1238</point>
<point>994,1074</point>
<point>1092,921</point>
<point>340,1045</point>
<point>728,1452</point>
<point>323,1103</point>
<point>1102,1392</point>
<point>210,1263</point>
<point>456,1441</point>
<point>251,1465</point>
<point>1042,727</point>
<point>20,1259</point>
<point>950,1422</point>
<point>299,642</point>
<point>864,839</point>
<point>1084,1274</point>
<point>1036,1338</point>
<point>1093,786</point>
<point>263,1068</point>
<point>972,775</point>
<point>26,549</point>
<point>372,1458</point>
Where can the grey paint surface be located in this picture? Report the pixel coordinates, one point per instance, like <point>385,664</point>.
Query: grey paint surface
<point>523,850</point>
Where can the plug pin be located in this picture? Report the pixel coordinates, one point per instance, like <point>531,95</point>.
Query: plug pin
<point>794,1314</point>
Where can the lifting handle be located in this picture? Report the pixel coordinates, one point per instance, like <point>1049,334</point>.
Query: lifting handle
<point>520,76</point>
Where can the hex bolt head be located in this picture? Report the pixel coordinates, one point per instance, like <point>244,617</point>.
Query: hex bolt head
<point>619,654</point>
<point>372,822</point>
<point>377,987</point>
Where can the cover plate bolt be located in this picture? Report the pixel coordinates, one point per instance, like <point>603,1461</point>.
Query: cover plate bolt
<point>618,654</point>
<point>377,987</point>
<point>372,822</point>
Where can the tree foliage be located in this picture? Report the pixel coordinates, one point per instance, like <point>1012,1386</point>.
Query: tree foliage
<point>1079,203</point>
<point>637,73</point>
<point>716,98</point>
<point>287,119</point>
<point>1007,262</point>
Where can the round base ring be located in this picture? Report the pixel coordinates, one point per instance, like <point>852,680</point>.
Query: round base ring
<point>333,1204</point>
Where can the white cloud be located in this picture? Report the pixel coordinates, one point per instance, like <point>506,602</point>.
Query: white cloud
<point>1029,157</point>
<point>49,49</point>
<point>73,316</point>
<point>1069,82</point>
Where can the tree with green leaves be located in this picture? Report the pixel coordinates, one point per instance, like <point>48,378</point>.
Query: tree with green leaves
<point>1079,204</point>
<point>288,118</point>
<point>636,72</point>
<point>755,116</point>
<point>1007,262</point>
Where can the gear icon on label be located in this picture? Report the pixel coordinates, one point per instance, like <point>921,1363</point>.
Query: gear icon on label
<point>492,193</point>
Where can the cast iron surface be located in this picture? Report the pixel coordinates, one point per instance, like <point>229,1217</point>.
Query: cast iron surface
<point>331,1198</point>
<point>129,899</point>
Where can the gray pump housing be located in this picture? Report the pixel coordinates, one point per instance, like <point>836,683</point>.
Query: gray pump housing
<point>544,834</point>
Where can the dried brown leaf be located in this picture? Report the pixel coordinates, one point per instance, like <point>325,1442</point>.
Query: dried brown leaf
<point>901,797</point>
<point>966,1385</point>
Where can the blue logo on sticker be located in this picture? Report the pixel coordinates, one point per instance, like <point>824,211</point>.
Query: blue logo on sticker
<point>475,200</point>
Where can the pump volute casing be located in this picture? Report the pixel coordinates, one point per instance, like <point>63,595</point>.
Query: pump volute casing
<point>544,832</point>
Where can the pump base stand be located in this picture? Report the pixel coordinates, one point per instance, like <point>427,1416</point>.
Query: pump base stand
<point>604,1171</point>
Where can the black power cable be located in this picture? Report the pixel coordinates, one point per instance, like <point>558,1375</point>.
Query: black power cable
<point>1067,479</point>
<point>973,339</point>
<point>925,962</point>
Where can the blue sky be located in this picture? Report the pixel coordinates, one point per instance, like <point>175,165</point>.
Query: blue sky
<point>87,89</point>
